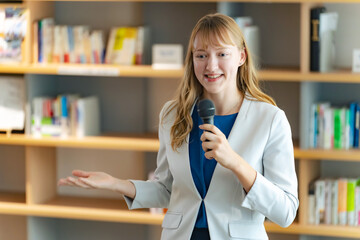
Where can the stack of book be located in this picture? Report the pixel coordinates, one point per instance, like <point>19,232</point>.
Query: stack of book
<point>334,201</point>
<point>78,44</point>
<point>65,115</point>
<point>334,127</point>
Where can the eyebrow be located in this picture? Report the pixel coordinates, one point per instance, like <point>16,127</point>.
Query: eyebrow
<point>217,48</point>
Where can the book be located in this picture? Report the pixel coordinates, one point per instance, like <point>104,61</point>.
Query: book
<point>342,201</point>
<point>352,112</point>
<point>311,204</point>
<point>142,48</point>
<point>334,201</point>
<point>313,126</point>
<point>328,128</point>
<point>350,207</point>
<point>321,108</point>
<point>58,50</point>
<point>357,126</point>
<point>338,128</point>
<point>357,203</point>
<point>88,117</point>
<point>327,29</point>
<point>12,103</point>
<point>252,37</point>
<point>35,43</point>
<point>328,201</point>
<point>320,201</point>
<point>97,47</point>
<point>46,29</point>
<point>13,25</point>
<point>121,46</point>
<point>314,38</point>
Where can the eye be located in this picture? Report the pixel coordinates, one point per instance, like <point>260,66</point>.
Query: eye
<point>200,56</point>
<point>223,54</point>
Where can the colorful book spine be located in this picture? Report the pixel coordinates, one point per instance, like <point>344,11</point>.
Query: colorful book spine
<point>334,202</point>
<point>320,201</point>
<point>351,185</point>
<point>342,201</point>
<point>337,129</point>
<point>352,119</point>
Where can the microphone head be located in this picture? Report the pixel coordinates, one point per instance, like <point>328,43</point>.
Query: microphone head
<point>206,110</point>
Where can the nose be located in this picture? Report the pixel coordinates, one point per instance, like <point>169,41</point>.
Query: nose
<point>212,63</point>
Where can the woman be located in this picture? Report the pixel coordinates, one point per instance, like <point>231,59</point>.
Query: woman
<point>220,180</point>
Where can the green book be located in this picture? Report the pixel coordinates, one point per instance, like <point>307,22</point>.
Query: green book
<point>350,206</point>
<point>337,128</point>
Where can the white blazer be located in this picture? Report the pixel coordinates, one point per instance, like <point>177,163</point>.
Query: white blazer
<point>262,136</point>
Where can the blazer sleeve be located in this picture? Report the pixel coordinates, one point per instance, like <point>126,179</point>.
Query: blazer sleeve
<point>154,193</point>
<point>274,194</point>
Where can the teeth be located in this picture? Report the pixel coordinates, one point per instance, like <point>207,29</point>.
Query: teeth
<point>213,76</point>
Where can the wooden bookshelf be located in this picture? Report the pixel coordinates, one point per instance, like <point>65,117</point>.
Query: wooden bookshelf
<point>41,198</point>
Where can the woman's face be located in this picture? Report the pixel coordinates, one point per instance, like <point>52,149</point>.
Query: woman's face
<point>216,66</point>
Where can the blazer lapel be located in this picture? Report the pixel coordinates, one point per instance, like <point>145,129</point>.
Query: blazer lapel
<point>184,161</point>
<point>220,172</point>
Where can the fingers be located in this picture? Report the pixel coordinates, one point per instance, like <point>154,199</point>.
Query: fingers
<point>208,145</point>
<point>86,182</point>
<point>70,181</point>
<point>64,182</point>
<point>80,173</point>
<point>208,155</point>
<point>210,128</point>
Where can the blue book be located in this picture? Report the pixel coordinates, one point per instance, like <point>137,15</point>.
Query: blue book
<point>356,133</point>
<point>40,42</point>
<point>352,123</point>
<point>64,111</point>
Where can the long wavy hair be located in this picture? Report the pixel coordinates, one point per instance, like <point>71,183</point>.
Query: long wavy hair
<point>215,30</point>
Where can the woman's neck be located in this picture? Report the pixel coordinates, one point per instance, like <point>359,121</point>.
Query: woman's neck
<point>226,105</point>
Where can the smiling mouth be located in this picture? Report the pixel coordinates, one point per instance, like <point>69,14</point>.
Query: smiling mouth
<point>212,77</point>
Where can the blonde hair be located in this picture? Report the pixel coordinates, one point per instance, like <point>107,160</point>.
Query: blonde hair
<point>214,29</point>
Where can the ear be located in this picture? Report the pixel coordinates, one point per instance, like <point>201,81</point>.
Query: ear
<point>242,57</point>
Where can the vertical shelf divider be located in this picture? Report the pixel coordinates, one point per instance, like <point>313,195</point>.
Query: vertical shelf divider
<point>40,174</point>
<point>308,171</point>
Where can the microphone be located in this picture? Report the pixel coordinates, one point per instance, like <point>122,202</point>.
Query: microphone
<point>206,111</point>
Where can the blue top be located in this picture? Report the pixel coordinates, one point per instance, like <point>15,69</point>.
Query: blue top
<point>202,169</point>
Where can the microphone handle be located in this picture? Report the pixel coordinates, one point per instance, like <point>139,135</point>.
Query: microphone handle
<point>208,120</point>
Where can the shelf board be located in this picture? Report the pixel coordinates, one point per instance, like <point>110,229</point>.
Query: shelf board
<point>189,1</point>
<point>146,71</point>
<point>294,75</point>
<point>14,68</point>
<point>332,154</point>
<point>319,230</point>
<point>115,210</point>
<point>338,76</point>
<point>150,143</point>
<point>127,142</point>
<point>12,197</point>
<point>104,70</point>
